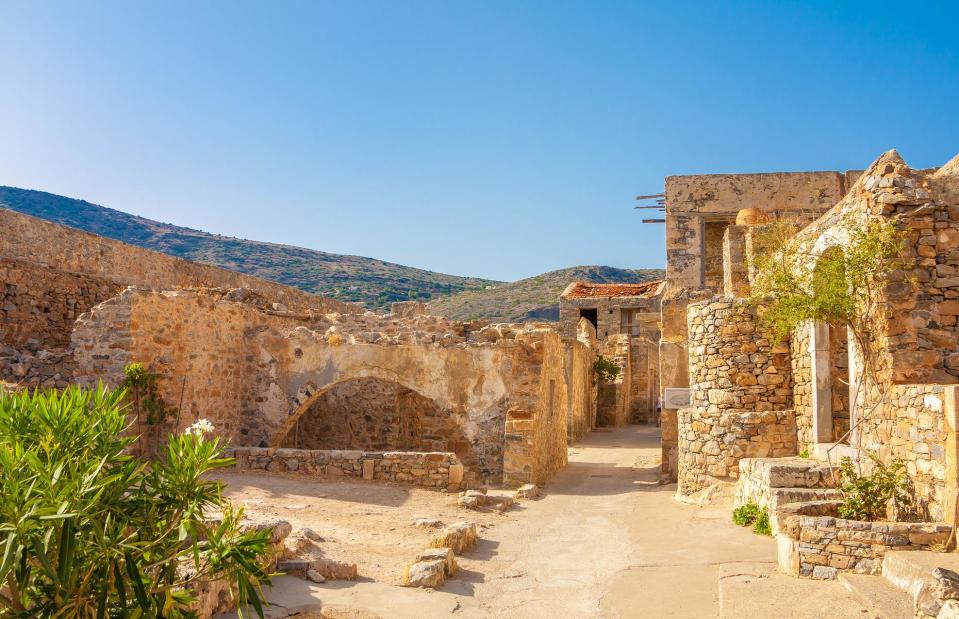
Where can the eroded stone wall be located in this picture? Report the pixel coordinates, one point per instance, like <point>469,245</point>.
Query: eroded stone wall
<point>255,372</point>
<point>40,304</point>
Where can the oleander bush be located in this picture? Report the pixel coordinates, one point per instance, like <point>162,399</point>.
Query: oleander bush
<point>89,530</point>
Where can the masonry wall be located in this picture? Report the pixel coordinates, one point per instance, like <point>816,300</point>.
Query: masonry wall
<point>434,470</point>
<point>740,388</point>
<point>50,274</point>
<point>255,372</point>
<point>41,303</point>
<point>699,208</point>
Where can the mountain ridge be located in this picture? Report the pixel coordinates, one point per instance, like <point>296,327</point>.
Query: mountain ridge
<point>371,282</point>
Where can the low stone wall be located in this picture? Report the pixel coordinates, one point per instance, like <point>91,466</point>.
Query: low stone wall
<point>822,546</point>
<point>430,469</point>
<point>711,444</point>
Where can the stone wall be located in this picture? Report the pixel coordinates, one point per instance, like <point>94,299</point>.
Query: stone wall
<point>582,392</point>
<point>712,442</point>
<point>613,403</point>
<point>699,209</point>
<point>372,414</point>
<point>740,391</point>
<point>536,423</point>
<point>911,425</point>
<point>822,546</point>
<point>41,303</point>
<point>694,202</point>
<point>254,372</point>
<point>732,365</point>
<point>50,274</point>
<point>433,470</point>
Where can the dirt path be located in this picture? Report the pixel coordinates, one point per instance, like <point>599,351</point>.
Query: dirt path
<point>606,540</point>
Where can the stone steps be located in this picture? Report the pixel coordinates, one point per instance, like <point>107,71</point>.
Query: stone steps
<point>883,599</point>
<point>787,472</point>
<point>778,497</point>
<point>912,571</point>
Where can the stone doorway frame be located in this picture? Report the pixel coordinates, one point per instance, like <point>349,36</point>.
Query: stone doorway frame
<point>821,370</point>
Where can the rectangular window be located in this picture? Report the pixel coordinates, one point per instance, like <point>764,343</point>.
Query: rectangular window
<point>552,393</point>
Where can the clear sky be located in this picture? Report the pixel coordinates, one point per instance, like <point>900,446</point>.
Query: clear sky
<point>496,139</point>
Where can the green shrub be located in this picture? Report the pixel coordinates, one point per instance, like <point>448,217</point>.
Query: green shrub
<point>804,453</point>
<point>87,530</point>
<point>761,526</point>
<point>745,515</point>
<point>606,369</point>
<point>865,497</point>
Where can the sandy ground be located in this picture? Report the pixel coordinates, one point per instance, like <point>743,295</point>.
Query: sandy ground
<point>606,540</point>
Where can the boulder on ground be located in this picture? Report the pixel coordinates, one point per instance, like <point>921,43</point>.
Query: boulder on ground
<point>315,576</point>
<point>443,554</point>
<point>334,570</point>
<point>527,491</point>
<point>279,529</point>
<point>430,574</point>
<point>312,535</point>
<point>427,523</point>
<point>473,499</point>
<point>459,537</point>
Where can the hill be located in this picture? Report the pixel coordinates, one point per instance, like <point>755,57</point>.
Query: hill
<point>534,298</point>
<point>373,283</point>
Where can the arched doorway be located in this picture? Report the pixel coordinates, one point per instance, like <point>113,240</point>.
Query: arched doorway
<point>374,414</point>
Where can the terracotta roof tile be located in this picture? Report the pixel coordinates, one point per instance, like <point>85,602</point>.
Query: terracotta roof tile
<point>586,290</point>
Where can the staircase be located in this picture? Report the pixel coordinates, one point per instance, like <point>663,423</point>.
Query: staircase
<point>905,588</point>
<point>778,483</point>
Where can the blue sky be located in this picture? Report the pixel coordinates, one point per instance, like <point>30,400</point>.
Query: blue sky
<point>496,139</point>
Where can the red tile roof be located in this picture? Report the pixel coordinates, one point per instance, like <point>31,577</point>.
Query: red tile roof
<point>586,290</point>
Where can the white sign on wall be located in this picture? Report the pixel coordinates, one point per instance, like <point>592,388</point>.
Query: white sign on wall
<point>675,397</point>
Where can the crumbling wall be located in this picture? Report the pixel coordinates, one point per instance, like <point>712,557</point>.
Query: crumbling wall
<point>50,274</point>
<point>435,470</point>
<point>614,396</point>
<point>256,372</point>
<point>41,303</point>
<point>536,423</point>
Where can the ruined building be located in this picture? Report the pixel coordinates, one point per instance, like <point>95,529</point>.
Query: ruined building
<point>755,404</point>
<point>626,320</point>
<point>294,381</point>
<point>701,212</point>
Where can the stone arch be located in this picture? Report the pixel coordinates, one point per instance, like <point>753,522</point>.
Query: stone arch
<point>309,393</point>
<point>373,414</point>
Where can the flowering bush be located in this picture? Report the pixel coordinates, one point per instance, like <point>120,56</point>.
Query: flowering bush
<point>88,530</point>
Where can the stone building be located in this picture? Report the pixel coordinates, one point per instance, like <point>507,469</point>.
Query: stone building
<point>295,381</point>
<point>756,403</point>
<point>625,318</point>
<point>699,211</point>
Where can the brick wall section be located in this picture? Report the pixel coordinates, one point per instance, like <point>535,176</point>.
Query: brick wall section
<point>430,469</point>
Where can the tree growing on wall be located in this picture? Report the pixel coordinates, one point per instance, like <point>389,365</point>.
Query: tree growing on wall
<point>842,285</point>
